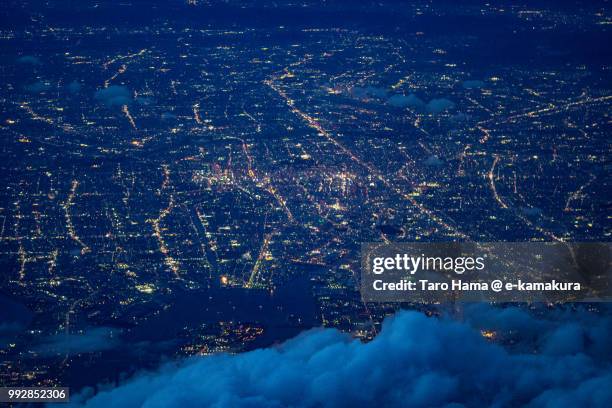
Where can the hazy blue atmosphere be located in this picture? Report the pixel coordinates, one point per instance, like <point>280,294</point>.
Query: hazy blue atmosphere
<point>187,184</point>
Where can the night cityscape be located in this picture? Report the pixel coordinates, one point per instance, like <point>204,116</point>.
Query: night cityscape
<point>187,184</point>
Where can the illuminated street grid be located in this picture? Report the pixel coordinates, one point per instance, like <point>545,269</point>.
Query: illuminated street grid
<point>240,159</point>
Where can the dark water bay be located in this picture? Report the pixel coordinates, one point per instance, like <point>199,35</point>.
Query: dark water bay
<point>282,314</point>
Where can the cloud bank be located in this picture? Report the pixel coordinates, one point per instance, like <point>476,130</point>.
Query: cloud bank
<point>95,339</point>
<point>436,105</point>
<point>403,101</point>
<point>440,105</point>
<point>369,91</point>
<point>473,84</point>
<point>29,59</point>
<point>114,95</point>
<point>433,161</point>
<point>37,87</point>
<point>74,87</point>
<point>560,359</point>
